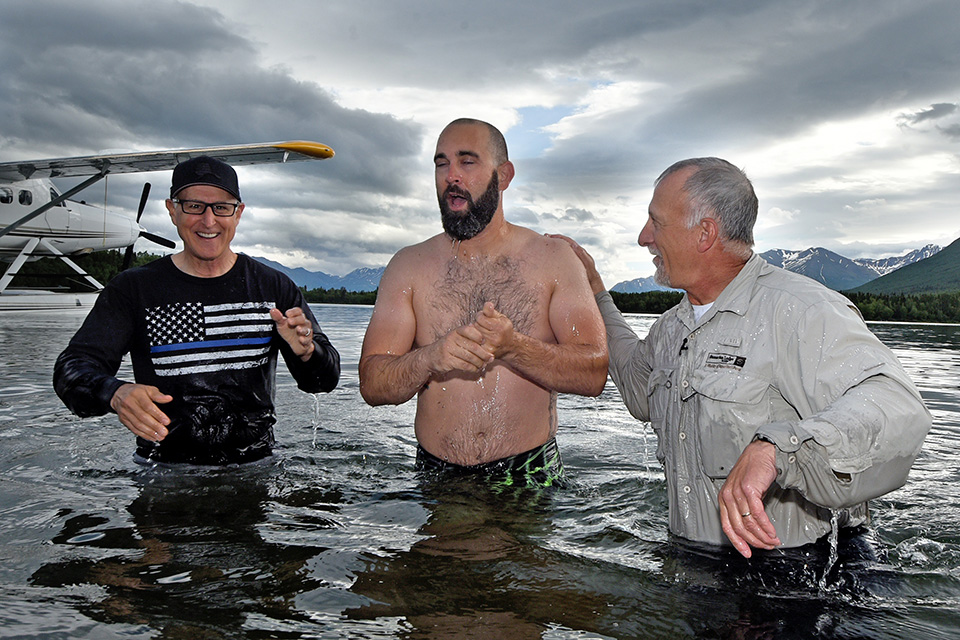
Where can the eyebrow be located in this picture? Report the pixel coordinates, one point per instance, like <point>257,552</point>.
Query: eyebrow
<point>460,154</point>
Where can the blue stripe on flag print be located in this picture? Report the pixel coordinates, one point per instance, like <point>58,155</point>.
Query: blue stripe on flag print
<point>209,344</point>
<point>178,333</point>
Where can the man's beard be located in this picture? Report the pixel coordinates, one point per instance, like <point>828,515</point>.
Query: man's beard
<point>465,225</point>
<point>660,276</point>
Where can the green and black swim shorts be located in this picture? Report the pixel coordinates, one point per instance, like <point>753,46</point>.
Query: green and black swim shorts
<point>537,468</point>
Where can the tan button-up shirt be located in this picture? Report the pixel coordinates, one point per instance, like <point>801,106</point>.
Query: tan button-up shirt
<point>779,356</point>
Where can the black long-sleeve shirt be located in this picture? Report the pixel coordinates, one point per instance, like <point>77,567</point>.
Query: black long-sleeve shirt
<point>208,342</point>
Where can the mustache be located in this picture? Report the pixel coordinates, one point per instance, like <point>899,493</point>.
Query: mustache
<point>456,191</point>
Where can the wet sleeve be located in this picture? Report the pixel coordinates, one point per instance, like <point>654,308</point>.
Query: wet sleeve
<point>628,364</point>
<point>321,372</point>
<point>84,375</point>
<point>863,420</point>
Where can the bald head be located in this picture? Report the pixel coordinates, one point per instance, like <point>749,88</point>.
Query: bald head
<point>498,145</point>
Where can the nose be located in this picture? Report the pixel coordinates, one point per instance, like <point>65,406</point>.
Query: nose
<point>451,174</point>
<point>645,239</point>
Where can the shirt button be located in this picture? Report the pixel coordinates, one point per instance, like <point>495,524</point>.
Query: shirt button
<point>683,435</point>
<point>687,489</point>
<point>792,459</point>
<point>794,440</point>
<point>684,384</point>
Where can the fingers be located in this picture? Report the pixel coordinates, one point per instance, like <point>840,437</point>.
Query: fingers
<point>296,329</point>
<point>748,529</point>
<point>496,330</point>
<point>460,350</point>
<point>468,347</point>
<point>742,516</point>
<point>136,406</point>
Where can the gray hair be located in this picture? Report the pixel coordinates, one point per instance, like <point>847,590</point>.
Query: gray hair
<point>719,190</point>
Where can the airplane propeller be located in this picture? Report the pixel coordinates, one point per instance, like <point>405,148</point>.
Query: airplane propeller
<point>128,254</point>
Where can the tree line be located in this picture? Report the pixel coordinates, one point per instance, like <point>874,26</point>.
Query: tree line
<point>922,307</point>
<point>50,273</point>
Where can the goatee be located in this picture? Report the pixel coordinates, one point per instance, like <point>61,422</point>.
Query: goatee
<point>465,225</point>
<point>660,276</point>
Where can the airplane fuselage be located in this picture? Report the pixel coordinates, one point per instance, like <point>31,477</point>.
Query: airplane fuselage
<point>71,227</point>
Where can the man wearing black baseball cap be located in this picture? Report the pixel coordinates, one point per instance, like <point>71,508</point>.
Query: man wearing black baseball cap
<point>203,328</point>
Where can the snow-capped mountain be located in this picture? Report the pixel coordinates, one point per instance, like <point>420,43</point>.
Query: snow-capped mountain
<point>832,269</point>
<point>362,279</point>
<point>883,266</point>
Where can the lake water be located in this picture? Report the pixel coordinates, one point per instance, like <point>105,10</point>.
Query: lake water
<point>337,537</point>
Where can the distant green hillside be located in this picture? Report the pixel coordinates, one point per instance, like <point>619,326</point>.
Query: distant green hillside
<point>939,273</point>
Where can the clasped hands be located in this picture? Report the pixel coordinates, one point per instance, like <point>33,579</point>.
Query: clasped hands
<point>471,347</point>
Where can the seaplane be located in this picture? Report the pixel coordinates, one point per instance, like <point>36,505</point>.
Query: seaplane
<point>38,221</point>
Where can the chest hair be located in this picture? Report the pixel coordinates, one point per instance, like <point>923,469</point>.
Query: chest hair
<point>467,284</point>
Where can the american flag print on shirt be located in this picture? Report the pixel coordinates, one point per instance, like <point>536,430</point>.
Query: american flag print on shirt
<point>191,337</point>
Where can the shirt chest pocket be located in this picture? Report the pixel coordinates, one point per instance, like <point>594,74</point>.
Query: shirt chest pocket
<point>662,399</point>
<point>729,407</point>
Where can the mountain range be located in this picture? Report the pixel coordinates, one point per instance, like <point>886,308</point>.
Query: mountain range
<point>824,266</point>
<point>362,279</point>
<point>930,269</point>
<point>937,274</point>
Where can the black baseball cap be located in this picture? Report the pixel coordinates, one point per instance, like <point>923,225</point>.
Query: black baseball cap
<point>204,170</point>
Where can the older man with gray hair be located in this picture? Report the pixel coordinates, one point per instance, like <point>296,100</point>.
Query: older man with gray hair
<point>778,412</point>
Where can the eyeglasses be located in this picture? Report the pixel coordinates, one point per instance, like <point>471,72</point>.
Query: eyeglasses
<point>198,207</point>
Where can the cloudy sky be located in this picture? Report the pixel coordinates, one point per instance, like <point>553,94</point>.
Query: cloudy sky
<point>844,114</point>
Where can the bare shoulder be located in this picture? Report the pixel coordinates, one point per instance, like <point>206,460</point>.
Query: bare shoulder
<point>550,252</point>
<point>412,260</point>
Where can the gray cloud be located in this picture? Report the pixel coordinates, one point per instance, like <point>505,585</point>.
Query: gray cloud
<point>935,112</point>
<point>627,88</point>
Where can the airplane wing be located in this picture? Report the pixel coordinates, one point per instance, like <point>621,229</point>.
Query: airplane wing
<point>236,155</point>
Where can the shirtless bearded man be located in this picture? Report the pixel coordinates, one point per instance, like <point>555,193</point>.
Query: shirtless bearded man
<point>487,322</point>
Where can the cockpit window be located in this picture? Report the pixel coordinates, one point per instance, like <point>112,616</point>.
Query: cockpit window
<point>54,195</point>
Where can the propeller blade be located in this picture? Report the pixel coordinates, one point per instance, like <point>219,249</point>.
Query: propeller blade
<point>127,258</point>
<point>143,199</point>
<point>163,242</point>
<point>128,254</point>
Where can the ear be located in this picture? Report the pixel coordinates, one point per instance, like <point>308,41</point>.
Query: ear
<point>239,211</point>
<point>172,210</point>
<point>709,234</point>
<point>505,173</point>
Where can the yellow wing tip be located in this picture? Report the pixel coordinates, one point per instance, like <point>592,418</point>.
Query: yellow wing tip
<point>312,149</point>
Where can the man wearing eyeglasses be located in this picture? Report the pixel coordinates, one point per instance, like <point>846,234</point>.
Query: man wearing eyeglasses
<point>203,328</point>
